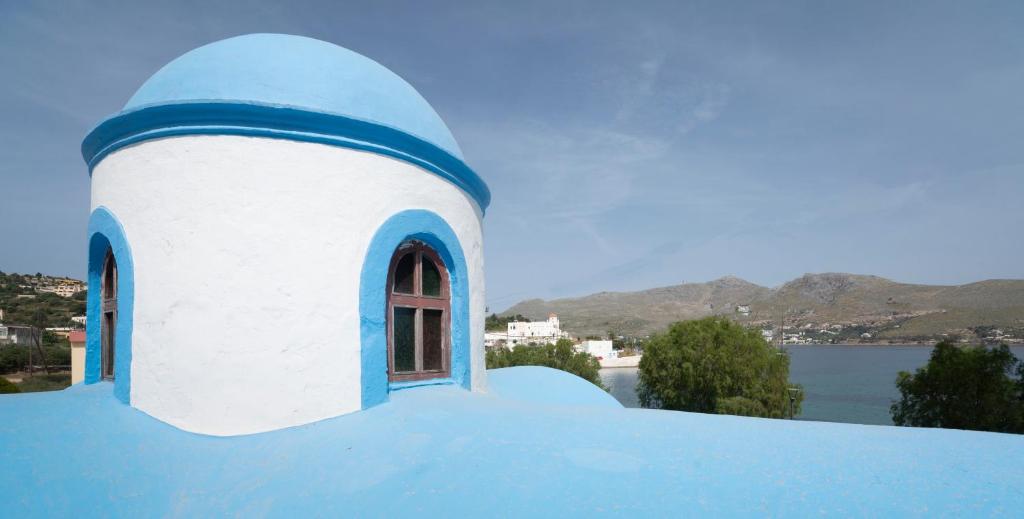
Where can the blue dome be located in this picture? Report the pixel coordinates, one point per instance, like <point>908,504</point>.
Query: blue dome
<point>288,87</point>
<point>300,72</point>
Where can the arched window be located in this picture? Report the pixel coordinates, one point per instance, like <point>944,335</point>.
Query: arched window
<point>419,313</point>
<point>108,322</point>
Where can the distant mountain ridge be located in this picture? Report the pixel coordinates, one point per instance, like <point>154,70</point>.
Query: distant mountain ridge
<point>890,309</point>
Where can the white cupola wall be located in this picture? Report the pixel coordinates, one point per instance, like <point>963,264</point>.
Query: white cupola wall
<point>293,234</point>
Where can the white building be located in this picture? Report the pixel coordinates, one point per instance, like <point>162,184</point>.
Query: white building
<point>23,335</point>
<point>602,349</point>
<point>540,332</point>
<point>63,288</point>
<point>270,182</point>
<point>67,290</point>
<point>495,339</point>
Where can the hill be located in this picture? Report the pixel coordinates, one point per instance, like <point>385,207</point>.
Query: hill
<point>850,304</point>
<point>30,300</point>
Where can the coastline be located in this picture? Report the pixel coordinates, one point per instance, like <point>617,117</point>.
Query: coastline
<point>929,344</point>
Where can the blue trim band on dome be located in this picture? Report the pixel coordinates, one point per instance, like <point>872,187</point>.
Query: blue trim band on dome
<point>280,122</point>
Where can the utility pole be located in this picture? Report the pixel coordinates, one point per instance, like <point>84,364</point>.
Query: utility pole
<point>793,391</point>
<point>29,347</point>
<point>37,334</point>
<point>37,337</point>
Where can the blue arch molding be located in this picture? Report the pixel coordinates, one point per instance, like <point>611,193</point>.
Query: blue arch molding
<point>417,224</point>
<point>105,231</point>
<point>279,122</point>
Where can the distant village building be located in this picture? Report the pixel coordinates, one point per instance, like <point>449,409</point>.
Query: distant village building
<point>60,331</point>
<point>495,339</point>
<point>743,309</point>
<point>77,341</point>
<point>540,332</point>
<point>601,349</point>
<point>62,287</point>
<point>23,335</point>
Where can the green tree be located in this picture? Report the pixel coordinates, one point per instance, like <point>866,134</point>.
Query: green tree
<point>560,355</point>
<point>58,355</point>
<point>969,387</point>
<point>715,365</point>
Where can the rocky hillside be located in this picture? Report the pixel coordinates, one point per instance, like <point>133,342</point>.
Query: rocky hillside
<point>888,309</point>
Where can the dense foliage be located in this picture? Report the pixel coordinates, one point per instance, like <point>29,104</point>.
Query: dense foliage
<point>495,323</point>
<point>715,365</point>
<point>6,386</point>
<point>559,356</point>
<point>969,387</point>
<point>14,357</point>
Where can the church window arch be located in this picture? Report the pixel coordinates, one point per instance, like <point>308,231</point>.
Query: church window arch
<point>419,314</point>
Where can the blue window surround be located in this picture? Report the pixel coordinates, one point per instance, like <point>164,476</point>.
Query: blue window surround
<point>105,231</point>
<point>428,227</point>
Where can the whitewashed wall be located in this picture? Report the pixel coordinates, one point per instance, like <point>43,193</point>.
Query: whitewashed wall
<point>248,253</point>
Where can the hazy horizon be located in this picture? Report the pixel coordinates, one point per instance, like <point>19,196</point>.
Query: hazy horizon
<point>626,146</point>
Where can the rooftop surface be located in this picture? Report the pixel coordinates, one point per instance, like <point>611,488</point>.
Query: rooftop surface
<point>541,443</point>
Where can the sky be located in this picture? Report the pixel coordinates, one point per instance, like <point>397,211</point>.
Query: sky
<point>627,145</point>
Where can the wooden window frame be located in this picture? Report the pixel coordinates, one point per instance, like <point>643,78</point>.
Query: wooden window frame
<point>419,302</point>
<point>108,316</point>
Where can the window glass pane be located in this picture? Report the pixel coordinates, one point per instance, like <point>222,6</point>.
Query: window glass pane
<point>109,276</point>
<point>433,340</point>
<point>431,278</point>
<point>107,354</point>
<point>404,274</point>
<point>405,339</point>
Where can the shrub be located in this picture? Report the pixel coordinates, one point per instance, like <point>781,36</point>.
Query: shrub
<point>6,386</point>
<point>58,355</point>
<point>45,382</point>
<point>969,387</point>
<point>714,365</point>
<point>561,356</point>
<point>13,358</point>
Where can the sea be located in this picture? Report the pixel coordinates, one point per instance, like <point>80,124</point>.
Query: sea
<point>842,383</point>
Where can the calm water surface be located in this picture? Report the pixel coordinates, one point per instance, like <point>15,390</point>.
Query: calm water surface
<point>853,384</point>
